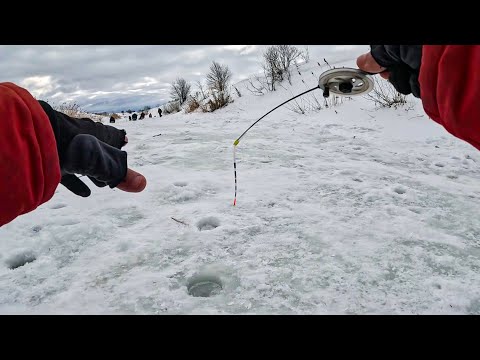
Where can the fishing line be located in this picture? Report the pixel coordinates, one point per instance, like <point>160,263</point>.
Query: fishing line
<point>237,141</point>
<point>339,81</point>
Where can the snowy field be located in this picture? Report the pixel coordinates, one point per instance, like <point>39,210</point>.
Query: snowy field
<point>349,210</point>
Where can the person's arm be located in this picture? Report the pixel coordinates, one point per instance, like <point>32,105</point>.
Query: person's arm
<point>399,63</point>
<point>450,84</point>
<point>96,154</point>
<point>29,164</point>
<point>41,147</point>
<point>445,77</point>
<point>91,148</point>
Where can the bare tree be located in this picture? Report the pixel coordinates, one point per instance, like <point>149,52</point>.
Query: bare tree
<point>218,85</point>
<point>180,90</point>
<point>217,100</point>
<point>255,89</point>
<point>202,92</point>
<point>218,77</point>
<point>277,60</point>
<point>271,67</point>
<point>192,104</point>
<point>298,108</point>
<point>385,95</point>
<point>287,54</point>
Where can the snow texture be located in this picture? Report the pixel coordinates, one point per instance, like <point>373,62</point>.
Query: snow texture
<point>348,210</point>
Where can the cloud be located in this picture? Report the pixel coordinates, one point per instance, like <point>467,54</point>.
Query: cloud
<point>39,85</point>
<point>105,78</point>
<point>241,49</point>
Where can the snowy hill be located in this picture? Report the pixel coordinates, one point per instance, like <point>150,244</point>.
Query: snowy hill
<point>349,209</point>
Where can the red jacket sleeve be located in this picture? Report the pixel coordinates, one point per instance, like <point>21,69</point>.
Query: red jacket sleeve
<point>450,89</point>
<point>29,165</point>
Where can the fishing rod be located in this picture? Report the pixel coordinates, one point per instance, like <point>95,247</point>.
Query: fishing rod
<point>339,81</point>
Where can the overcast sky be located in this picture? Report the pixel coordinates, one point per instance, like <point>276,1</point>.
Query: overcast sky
<point>118,77</point>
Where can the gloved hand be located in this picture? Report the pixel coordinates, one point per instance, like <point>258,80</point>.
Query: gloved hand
<point>400,64</point>
<point>90,148</point>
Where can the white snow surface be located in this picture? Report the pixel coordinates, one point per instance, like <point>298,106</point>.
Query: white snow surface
<point>349,210</point>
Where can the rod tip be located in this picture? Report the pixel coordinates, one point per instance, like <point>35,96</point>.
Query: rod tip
<point>236,142</point>
<point>234,201</point>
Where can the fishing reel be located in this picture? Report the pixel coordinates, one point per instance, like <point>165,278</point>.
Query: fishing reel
<point>345,82</point>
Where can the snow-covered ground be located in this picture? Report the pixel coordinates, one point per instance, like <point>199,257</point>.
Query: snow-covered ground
<point>347,210</point>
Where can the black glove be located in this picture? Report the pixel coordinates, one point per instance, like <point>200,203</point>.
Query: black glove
<point>403,63</point>
<point>88,148</point>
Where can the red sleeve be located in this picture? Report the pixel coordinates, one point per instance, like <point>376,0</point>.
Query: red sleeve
<point>29,165</point>
<point>450,88</point>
